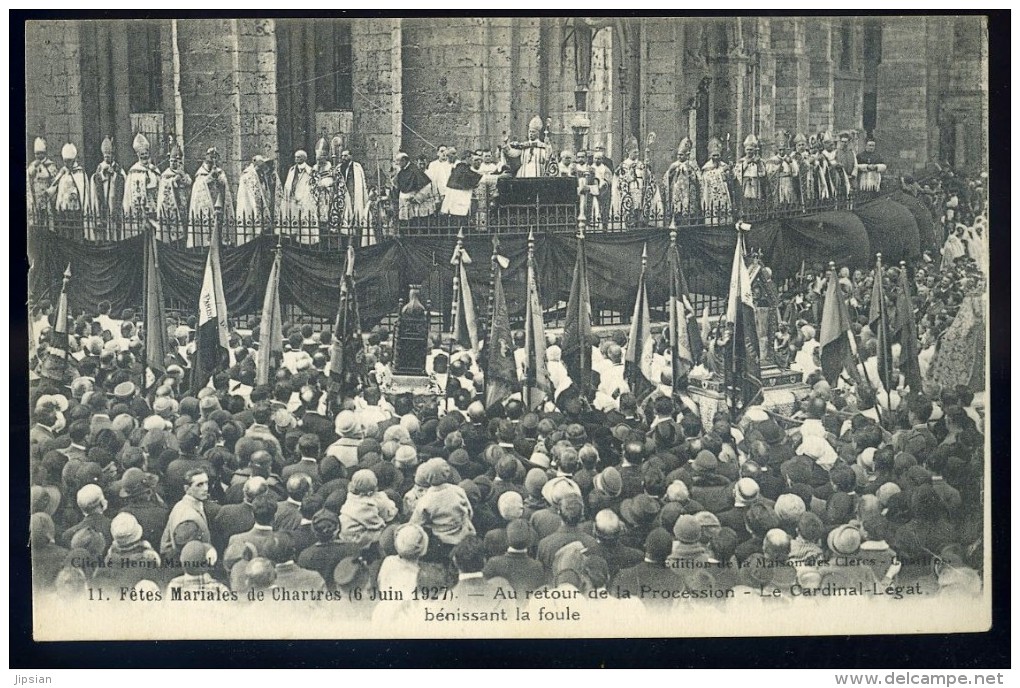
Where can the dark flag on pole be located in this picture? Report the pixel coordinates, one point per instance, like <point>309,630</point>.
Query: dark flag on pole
<point>270,325</point>
<point>211,337</point>
<point>157,343</point>
<point>577,325</point>
<point>537,386</point>
<point>834,335</point>
<point>55,364</point>
<point>878,322</point>
<point>346,355</point>
<point>465,322</point>
<point>744,370</point>
<point>59,344</point>
<point>684,329</point>
<point>906,328</point>
<point>639,344</point>
<point>501,372</point>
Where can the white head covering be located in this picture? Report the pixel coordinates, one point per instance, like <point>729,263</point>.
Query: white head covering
<point>140,144</point>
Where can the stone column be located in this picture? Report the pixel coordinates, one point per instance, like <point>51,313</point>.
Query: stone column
<point>376,130</point>
<point>765,113</point>
<point>822,92</point>
<point>209,58</point>
<point>793,72</point>
<point>53,93</point>
<point>901,121</point>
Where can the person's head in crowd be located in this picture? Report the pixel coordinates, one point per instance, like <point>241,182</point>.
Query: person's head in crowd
<point>264,509</point>
<point>468,556</point>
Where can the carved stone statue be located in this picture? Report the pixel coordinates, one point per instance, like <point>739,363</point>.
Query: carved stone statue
<point>412,336</point>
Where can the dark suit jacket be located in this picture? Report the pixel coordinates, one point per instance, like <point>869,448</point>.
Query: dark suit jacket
<point>97,522</point>
<point>151,516</point>
<point>323,557</point>
<point>552,543</point>
<point>231,520</point>
<point>288,516</point>
<point>235,547</point>
<point>617,555</point>
<point>522,572</point>
<point>309,468</point>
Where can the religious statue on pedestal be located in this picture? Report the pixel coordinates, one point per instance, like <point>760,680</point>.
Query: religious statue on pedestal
<point>412,336</point>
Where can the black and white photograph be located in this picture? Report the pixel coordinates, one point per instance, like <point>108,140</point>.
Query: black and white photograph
<point>431,327</point>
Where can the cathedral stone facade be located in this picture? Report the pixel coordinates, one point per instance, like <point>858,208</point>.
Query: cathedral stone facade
<point>262,86</point>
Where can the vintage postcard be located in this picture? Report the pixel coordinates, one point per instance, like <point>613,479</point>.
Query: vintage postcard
<point>508,327</point>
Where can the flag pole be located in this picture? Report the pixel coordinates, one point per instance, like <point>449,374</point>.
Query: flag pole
<point>526,389</point>
<point>62,312</point>
<point>905,280</point>
<point>455,307</point>
<point>737,384</point>
<point>639,312</point>
<point>582,313</point>
<point>853,346</point>
<point>492,287</point>
<point>495,273</point>
<point>674,317</point>
<point>883,331</point>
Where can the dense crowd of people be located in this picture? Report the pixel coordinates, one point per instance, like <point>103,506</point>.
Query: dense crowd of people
<point>140,482</point>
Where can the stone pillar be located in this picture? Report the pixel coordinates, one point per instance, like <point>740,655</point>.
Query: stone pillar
<point>376,133</point>
<point>441,83</point>
<point>256,63</point>
<point>848,74</point>
<point>526,74</point>
<point>793,72</point>
<point>765,85</point>
<point>209,51</point>
<point>967,93</point>
<point>665,93</point>
<point>53,92</point>
<point>901,122</point>
<point>822,92</point>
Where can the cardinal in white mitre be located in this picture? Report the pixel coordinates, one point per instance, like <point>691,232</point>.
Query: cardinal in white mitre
<point>211,200</point>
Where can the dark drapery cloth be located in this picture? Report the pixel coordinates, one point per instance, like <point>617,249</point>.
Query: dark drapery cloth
<point>922,216</point>
<point>838,236</point>
<point>892,230</point>
<point>310,277</point>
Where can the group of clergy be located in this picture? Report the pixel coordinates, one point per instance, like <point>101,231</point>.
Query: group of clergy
<point>816,169</point>
<point>329,196</point>
<point>801,173</point>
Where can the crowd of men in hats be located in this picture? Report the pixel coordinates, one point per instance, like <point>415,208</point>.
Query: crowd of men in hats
<point>144,483</point>
<point>331,197</point>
